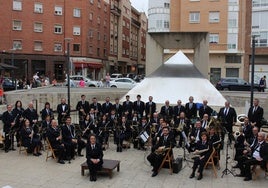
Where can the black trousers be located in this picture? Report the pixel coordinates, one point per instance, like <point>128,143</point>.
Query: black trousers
<point>93,168</point>
<point>244,164</point>
<point>201,163</point>
<point>155,160</point>
<point>60,151</point>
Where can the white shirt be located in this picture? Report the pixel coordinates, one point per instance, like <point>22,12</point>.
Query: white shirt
<point>256,153</point>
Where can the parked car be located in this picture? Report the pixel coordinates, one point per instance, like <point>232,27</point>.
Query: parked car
<point>90,83</point>
<point>116,75</point>
<point>8,84</point>
<point>234,84</point>
<point>126,83</point>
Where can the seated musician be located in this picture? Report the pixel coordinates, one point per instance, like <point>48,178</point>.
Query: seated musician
<point>45,125</point>
<point>94,157</point>
<point>195,135</point>
<point>160,149</point>
<point>144,126</point>
<point>256,155</point>
<point>55,138</point>
<point>104,127</point>
<point>87,126</point>
<point>158,132</point>
<point>215,140</point>
<point>239,145</point>
<point>203,148</point>
<point>29,139</point>
<point>205,121</point>
<point>122,132</point>
<point>183,124</point>
<point>70,140</point>
<point>247,129</point>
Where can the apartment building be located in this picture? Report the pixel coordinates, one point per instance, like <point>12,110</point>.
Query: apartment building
<point>128,29</point>
<point>226,21</point>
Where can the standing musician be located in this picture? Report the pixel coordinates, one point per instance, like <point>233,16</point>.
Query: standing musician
<point>204,147</point>
<point>9,123</point>
<point>166,111</point>
<point>195,135</point>
<point>107,106</point>
<point>139,106</point>
<point>83,109</point>
<point>30,139</point>
<point>17,112</point>
<point>257,155</point>
<point>96,106</point>
<point>118,108</point>
<point>191,109</point>
<point>31,114</point>
<point>227,116</point>
<point>93,115</point>
<point>159,151</point>
<point>47,111</point>
<point>63,111</point>
<point>70,140</point>
<point>255,114</point>
<point>150,108</point>
<point>94,157</point>
<point>55,138</point>
<point>205,109</point>
<point>178,109</point>
<point>104,127</point>
<point>127,108</point>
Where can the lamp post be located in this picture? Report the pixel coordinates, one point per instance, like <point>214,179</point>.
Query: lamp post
<point>252,69</point>
<point>68,70</point>
<point>12,63</point>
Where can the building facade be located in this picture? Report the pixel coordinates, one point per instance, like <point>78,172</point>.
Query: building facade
<point>226,21</point>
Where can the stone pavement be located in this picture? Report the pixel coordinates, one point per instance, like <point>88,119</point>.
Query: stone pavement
<point>21,171</point>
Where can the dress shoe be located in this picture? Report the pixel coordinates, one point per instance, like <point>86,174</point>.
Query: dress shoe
<point>13,149</point>
<point>80,155</point>
<point>192,175</point>
<point>39,153</point>
<point>94,178</point>
<point>35,154</point>
<point>154,174</point>
<point>91,178</point>
<point>61,162</point>
<point>200,177</point>
<point>247,178</point>
<point>6,151</point>
<point>240,175</point>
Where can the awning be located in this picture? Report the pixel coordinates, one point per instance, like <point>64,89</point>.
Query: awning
<point>92,65</point>
<point>7,66</point>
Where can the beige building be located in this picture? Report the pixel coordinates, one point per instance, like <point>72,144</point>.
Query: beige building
<point>228,23</point>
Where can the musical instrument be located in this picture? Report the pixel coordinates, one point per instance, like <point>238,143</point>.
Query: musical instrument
<point>161,150</point>
<point>197,153</point>
<point>13,129</point>
<point>240,118</point>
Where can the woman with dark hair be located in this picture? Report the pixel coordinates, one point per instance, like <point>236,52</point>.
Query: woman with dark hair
<point>47,111</point>
<point>30,139</point>
<point>17,113</point>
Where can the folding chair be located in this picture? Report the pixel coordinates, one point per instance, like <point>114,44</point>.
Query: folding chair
<point>22,148</point>
<point>50,150</point>
<point>210,161</point>
<point>169,159</point>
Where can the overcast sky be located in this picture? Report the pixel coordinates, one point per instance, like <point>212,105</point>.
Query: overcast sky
<point>140,5</point>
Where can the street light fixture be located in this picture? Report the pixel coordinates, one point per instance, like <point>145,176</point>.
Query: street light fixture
<point>68,70</point>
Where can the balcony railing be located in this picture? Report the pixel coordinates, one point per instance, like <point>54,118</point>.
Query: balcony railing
<point>115,10</point>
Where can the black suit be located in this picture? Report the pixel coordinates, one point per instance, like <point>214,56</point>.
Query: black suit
<point>47,112</point>
<point>177,110</point>
<point>118,109</point>
<point>8,118</point>
<point>60,111</point>
<point>128,107</point>
<point>191,112</point>
<point>106,108</point>
<point>30,114</point>
<point>205,110</point>
<point>150,109</point>
<point>255,116</point>
<point>82,105</point>
<point>139,108</point>
<point>94,153</point>
<point>167,112</point>
<point>96,106</point>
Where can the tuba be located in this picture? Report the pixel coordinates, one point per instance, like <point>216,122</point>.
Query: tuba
<point>240,118</point>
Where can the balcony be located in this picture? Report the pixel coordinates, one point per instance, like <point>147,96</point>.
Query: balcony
<point>136,23</point>
<point>115,10</point>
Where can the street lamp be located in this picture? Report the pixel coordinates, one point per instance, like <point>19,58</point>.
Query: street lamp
<point>12,63</point>
<point>252,68</point>
<point>68,70</point>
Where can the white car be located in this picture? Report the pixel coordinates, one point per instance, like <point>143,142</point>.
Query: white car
<point>126,83</point>
<point>115,76</point>
<point>90,83</point>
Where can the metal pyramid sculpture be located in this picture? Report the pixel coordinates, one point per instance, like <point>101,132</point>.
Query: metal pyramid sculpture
<point>176,79</point>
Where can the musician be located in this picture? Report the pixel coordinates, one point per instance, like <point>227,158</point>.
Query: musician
<point>55,138</point>
<point>255,114</point>
<point>104,127</point>
<point>94,157</point>
<point>178,109</point>
<point>205,121</point>
<point>247,129</point>
<point>182,125</point>
<point>150,108</point>
<point>70,140</point>
<point>191,108</point>
<point>93,115</point>
<point>215,140</point>
<point>254,139</point>
<point>227,116</point>
<point>63,111</point>
<point>17,112</point>
<point>123,132</point>
<point>159,129</point>
<point>8,121</point>
<point>139,106</point>
<point>88,127</point>
<point>118,108</point>
<point>144,126</point>
<point>164,142</point>
<point>127,107</point>
<point>167,111</point>
<point>45,125</point>
<point>257,155</point>
<point>47,111</point>
<point>200,161</point>
<point>205,109</point>
<point>195,135</point>
<point>136,129</point>
<point>31,114</point>
<point>96,106</point>
<point>30,139</point>
<point>107,106</point>
<point>83,108</point>
<point>239,145</point>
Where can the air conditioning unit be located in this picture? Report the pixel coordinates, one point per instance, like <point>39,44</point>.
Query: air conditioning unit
<point>76,33</point>
<point>58,12</point>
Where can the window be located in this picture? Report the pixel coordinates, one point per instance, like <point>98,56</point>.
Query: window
<point>232,59</point>
<point>214,17</point>
<point>90,49</point>
<point>38,8</point>
<point>105,8</point>
<point>91,1</point>
<point>76,47</point>
<point>17,25</point>
<point>58,29</point>
<point>76,30</point>
<point>166,24</point>
<point>233,2</point>
<point>90,33</point>
<point>38,46</point>
<point>57,47</point>
<point>214,38</point>
<point>104,52</point>
<point>99,4</point>
<point>104,38</point>
<point>232,23</point>
<point>38,27</point>
<point>17,44</point>
<point>166,5</point>
<point>98,20</point>
<point>91,16</point>
<point>99,36</point>
<point>194,17</point>
<point>98,51</point>
<point>58,10</point>
<point>232,72</point>
<point>77,12</point>
<point>17,5</point>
